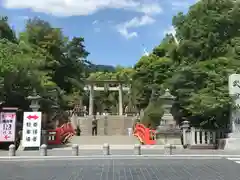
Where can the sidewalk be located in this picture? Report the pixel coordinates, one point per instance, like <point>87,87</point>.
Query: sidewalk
<point>118,147</point>
<point>126,152</point>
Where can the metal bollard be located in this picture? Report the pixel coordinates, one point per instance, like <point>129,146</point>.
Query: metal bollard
<point>44,137</point>
<point>12,150</point>
<point>75,149</point>
<point>170,147</point>
<point>106,149</point>
<point>43,150</point>
<point>137,149</point>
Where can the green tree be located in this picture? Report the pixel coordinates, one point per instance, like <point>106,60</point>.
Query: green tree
<point>65,60</point>
<point>6,31</point>
<point>20,71</point>
<point>153,112</point>
<point>150,70</point>
<point>209,34</point>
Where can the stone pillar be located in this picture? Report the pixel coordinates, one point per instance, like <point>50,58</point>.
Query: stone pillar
<point>233,140</point>
<point>12,150</point>
<point>105,124</point>
<point>185,127</point>
<point>91,99</point>
<point>106,149</point>
<point>137,149</point>
<point>120,103</point>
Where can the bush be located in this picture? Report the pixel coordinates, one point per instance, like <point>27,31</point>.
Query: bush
<point>152,114</point>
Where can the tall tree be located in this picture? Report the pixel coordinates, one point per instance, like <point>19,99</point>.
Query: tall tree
<point>6,32</point>
<point>66,60</point>
<point>209,32</point>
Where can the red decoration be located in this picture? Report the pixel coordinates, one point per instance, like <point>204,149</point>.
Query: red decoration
<point>54,138</point>
<point>145,135</point>
<point>6,137</point>
<point>61,134</point>
<point>35,117</point>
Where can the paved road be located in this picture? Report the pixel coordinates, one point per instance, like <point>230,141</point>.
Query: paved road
<point>121,169</point>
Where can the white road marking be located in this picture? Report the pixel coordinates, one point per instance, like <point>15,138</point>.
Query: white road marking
<point>235,159</point>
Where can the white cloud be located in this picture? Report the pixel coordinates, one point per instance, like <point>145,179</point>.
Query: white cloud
<point>95,22</point>
<point>177,5</point>
<point>151,8</point>
<point>129,35</point>
<point>123,28</point>
<point>82,7</point>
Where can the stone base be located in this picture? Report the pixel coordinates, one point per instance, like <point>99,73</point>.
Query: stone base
<point>232,144</point>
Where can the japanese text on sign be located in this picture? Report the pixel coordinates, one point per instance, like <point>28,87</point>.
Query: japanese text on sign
<point>236,83</point>
<point>31,129</point>
<point>7,126</point>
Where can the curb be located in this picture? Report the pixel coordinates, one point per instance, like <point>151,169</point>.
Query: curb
<point>118,147</point>
<point>112,146</point>
<point>118,156</point>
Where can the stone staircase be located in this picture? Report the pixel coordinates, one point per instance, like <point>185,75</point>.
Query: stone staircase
<point>114,125</point>
<point>107,125</point>
<point>113,130</point>
<point>100,140</point>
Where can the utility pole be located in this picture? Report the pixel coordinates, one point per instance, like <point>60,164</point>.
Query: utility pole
<point>145,52</point>
<point>173,33</point>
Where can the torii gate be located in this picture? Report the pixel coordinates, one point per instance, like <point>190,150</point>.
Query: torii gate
<point>91,87</point>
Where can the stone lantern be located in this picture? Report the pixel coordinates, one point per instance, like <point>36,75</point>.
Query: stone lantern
<point>35,98</point>
<point>167,100</point>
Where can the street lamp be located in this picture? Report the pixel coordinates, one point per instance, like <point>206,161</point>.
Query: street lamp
<point>168,101</point>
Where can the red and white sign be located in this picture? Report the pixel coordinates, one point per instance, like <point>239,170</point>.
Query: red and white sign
<point>7,126</point>
<point>31,136</point>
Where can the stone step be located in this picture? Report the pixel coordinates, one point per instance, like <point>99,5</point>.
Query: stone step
<point>99,140</point>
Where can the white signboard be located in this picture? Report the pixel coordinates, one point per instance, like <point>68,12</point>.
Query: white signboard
<point>31,136</point>
<point>234,90</point>
<point>234,87</point>
<point>7,126</point>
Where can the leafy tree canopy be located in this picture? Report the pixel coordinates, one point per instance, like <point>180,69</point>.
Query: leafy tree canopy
<point>195,70</point>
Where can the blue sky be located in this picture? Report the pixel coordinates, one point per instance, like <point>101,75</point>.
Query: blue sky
<point>115,31</point>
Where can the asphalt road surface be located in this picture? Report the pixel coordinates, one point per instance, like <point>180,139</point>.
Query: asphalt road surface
<point>121,169</point>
